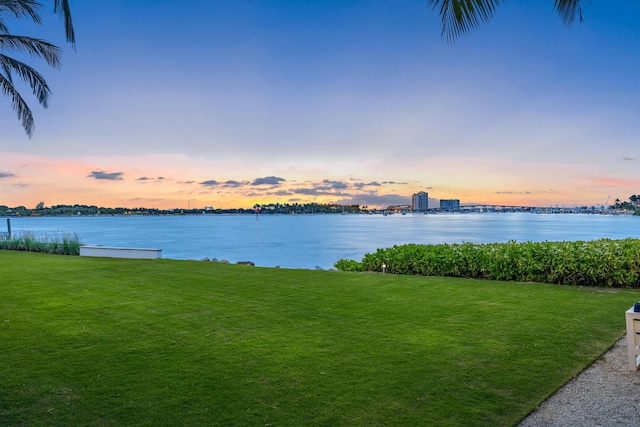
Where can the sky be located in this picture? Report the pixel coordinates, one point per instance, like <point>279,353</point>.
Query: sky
<point>229,103</point>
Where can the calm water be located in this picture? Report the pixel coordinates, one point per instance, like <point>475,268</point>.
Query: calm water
<point>306,241</point>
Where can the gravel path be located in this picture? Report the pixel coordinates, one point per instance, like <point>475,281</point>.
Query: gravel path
<point>607,393</point>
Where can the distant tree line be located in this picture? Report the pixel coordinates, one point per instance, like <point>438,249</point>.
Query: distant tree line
<point>266,209</point>
<point>307,208</point>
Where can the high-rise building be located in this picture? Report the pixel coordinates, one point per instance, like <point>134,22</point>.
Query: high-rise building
<point>420,202</point>
<point>449,204</point>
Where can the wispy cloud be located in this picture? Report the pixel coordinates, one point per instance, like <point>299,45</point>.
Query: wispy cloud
<point>337,185</point>
<point>6,175</point>
<point>268,180</point>
<point>513,192</point>
<point>277,186</point>
<point>145,179</point>
<point>361,185</point>
<point>233,184</point>
<point>110,176</point>
<point>626,158</point>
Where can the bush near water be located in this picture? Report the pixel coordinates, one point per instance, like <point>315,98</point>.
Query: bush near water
<point>605,262</point>
<point>64,244</point>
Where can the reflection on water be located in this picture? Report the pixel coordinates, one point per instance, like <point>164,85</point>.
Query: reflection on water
<point>304,241</point>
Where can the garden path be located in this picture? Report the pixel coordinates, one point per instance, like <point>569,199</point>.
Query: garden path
<point>605,394</point>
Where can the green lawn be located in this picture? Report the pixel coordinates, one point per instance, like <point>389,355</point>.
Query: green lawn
<point>87,341</point>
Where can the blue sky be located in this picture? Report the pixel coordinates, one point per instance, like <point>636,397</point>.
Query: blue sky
<point>231,103</point>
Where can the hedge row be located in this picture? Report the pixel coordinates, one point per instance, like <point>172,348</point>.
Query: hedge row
<point>605,262</point>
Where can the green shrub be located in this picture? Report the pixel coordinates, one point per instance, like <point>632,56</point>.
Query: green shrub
<point>348,265</point>
<point>605,262</point>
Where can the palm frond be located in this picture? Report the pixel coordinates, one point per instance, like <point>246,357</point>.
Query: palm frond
<point>30,8</point>
<point>7,71</point>
<point>35,47</point>
<point>61,7</point>
<point>461,16</point>
<point>19,9</point>
<point>568,10</point>
<point>18,104</point>
<point>10,67</point>
<point>29,75</point>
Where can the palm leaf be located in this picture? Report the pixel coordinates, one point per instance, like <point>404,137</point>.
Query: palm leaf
<point>30,8</point>
<point>568,11</point>
<point>10,67</point>
<point>18,104</point>
<point>35,47</point>
<point>19,9</point>
<point>61,7</point>
<point>29,75</point>
<point>459,17</point>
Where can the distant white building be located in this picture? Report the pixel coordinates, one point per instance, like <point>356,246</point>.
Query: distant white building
<point>420,202</point>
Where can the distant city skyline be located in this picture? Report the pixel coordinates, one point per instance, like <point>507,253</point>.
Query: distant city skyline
<point>235,103</point>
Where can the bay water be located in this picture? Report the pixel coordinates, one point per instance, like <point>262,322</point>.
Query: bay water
<point>307,241</point>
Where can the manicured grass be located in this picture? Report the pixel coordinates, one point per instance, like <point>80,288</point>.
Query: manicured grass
<point>89,341</point>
